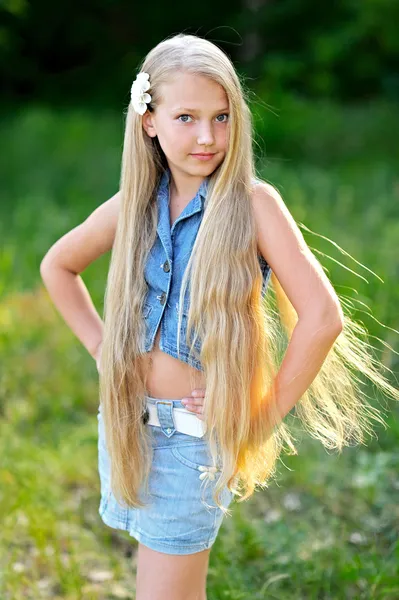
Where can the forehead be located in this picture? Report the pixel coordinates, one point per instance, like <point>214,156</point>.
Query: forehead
<point>194,91</point>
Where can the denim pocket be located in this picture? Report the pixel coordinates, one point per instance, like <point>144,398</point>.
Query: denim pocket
<point>195,456</point>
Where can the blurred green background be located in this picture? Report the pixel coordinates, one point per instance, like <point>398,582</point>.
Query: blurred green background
<point>323,80</point>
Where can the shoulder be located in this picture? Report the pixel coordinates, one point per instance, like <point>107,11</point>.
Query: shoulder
<point>104,219</point>
<point>281,243</point>
<point>278,236</point>
<point>265,194</point>
<point>270,212</point>
<point>87,241</point>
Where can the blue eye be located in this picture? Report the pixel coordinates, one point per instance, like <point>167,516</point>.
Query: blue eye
<point>223,115</point>
<point>183,116</point>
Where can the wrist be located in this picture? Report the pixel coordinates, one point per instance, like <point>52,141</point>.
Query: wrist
<point>94,352</point>
<point>97,356</point>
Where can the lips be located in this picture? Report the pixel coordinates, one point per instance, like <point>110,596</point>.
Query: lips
<point>204,153</point>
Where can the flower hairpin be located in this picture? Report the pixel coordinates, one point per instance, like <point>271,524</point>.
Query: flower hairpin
<point>138,93</point>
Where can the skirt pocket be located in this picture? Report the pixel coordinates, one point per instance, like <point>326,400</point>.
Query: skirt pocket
<point>198,458</point>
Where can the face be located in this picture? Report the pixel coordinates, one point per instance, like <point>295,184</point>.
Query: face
<point>193,117</point>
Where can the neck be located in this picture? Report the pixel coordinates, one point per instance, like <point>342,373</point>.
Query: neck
<point>182,186</point>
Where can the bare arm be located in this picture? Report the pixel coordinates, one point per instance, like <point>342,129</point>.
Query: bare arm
<point>320,318</point>
<point>306,352</point>
<point>68,257</point>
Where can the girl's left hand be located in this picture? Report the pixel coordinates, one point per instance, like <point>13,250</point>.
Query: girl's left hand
<point>195,402</point>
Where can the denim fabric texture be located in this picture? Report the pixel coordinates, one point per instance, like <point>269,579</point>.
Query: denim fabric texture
<point>181,516</point>
<point>164,271</point>
<point>176,520</point>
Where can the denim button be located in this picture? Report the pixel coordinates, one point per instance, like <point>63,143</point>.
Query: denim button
<point>166,266</point>
<point>168,430</point>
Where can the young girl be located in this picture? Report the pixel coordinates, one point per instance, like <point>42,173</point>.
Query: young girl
<point>195,240</point>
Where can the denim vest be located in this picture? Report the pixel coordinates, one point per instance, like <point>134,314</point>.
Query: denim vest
<point>164,271</point>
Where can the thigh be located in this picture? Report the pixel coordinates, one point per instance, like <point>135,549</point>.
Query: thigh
<point>163,576</point>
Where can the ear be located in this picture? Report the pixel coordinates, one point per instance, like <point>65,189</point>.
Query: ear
<point>149,124</point>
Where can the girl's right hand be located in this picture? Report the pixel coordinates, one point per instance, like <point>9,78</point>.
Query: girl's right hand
<point>195,402</point>
<point>97,357</point>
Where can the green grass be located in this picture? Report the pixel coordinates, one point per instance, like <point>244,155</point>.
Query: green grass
<point>327,529</point>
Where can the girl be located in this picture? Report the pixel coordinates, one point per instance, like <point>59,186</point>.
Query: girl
<point>195,239</point>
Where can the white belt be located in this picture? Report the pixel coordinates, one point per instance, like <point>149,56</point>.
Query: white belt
<point>184,420</point>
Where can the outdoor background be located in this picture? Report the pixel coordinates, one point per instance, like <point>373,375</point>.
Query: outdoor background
<point>323,79</point>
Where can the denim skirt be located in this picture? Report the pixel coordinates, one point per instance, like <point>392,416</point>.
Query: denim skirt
<point>177,520</point>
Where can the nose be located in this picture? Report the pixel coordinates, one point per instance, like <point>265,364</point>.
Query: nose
<point>205,136</point>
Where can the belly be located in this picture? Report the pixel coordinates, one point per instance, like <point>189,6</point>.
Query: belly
<point>168,377</point>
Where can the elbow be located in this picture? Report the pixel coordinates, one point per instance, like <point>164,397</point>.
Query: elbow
<point>43,268</point>
<point>338,315</point>
<point>333,318</point>
<point>337,327</point>
<point>330,318</point>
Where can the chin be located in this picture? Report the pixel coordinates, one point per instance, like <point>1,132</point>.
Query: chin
<point>206,165</point>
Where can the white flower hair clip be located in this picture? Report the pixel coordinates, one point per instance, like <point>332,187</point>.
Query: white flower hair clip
<point>138,94</point>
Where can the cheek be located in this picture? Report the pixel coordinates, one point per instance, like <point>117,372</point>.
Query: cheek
<point>175,138</point>
<point>223,137</point>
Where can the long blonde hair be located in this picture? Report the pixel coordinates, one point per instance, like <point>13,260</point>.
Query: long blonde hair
<point>241,329</point>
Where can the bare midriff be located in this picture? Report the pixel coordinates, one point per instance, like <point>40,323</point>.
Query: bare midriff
<point>168,377</point>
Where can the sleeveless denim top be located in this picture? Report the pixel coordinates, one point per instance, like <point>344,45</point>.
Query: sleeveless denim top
<point>164,271</point>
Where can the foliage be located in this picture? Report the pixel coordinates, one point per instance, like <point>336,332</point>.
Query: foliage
<point>329,528</point>
<point>59,52</point>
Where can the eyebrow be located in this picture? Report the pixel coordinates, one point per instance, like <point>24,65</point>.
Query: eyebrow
<point>194,110</point>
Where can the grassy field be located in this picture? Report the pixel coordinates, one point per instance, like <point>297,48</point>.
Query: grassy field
<point>328,528</point>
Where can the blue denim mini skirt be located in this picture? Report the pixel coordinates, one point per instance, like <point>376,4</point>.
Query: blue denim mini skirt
<point>176,521</point>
